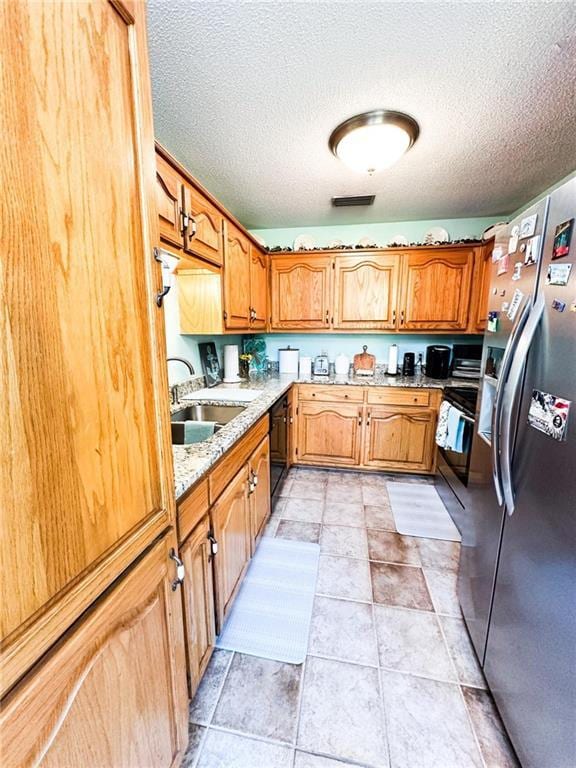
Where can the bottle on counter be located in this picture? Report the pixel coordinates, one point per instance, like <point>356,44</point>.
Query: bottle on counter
<point>418,370</point>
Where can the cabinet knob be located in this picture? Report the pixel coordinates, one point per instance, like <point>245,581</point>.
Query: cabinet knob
<point>180,570</point>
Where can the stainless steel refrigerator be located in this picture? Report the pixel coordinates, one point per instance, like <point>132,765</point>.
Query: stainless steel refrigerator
<point>517,578</point>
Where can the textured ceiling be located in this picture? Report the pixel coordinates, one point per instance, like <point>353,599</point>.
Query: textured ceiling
<point>246,95</point>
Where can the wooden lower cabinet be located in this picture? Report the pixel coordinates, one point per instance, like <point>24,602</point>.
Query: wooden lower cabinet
<point>259,491</point>
<point>329,433</point>
<point>113,690</point>
<point>198,592</point>
<point>399,439</point>
<point>231,528</point>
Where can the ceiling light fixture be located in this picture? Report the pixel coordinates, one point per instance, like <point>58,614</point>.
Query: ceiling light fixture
<point>374,140</point>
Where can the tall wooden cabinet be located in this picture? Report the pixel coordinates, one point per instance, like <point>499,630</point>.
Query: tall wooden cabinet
<point>237,306</point>
<point>86,476</point>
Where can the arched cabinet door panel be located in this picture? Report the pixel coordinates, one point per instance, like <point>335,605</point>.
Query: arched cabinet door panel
<point>300,292</point>
<point>113,691</point>
<point>329,433</point>
<point>366,291</point>
<point>399,438</point>
<point>436,290</point>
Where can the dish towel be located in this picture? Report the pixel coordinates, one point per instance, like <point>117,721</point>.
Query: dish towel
<point>196,431</point>
<point>442,428</point>
<point>455,436</point>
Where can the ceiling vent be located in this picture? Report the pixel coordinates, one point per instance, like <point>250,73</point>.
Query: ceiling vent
<point>341,202</point>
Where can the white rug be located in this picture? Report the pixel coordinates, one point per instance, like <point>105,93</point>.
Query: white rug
<point>419,511</point>
<point>273,610</point>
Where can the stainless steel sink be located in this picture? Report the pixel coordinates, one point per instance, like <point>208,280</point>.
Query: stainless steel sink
<point>220,414</point>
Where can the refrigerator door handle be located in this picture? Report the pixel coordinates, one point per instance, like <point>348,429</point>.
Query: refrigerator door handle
<point>499,401</point>
<point>511,396</point>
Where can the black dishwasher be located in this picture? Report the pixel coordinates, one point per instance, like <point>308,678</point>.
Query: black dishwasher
<point>278,442</point>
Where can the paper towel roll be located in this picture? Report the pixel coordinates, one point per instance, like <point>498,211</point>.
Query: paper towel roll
<point>288,361</point>
<point>231,364</point>
<point>392,369</point>
<point>305,368</point>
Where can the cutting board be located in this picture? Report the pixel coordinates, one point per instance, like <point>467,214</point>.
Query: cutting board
<point>364,363</point>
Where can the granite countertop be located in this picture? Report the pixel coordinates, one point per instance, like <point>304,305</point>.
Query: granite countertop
<point>193,461</point>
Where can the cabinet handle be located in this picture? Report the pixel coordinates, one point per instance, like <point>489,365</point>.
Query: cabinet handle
<point>393,317</point>
<point>254,478</point>
<point>193,227</point>
<point>369,416</point>
<point>180,571</point>
<point>213,545</point>
<point>184,219</point>
<point>346,397</point>
<point>360,418</point>
<point>402,317</point>
<point>327,317</point>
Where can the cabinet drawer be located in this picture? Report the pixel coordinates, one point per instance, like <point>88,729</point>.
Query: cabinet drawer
<point>231,463</point>
<point>331,393</point>
<point>192,509</point>
<point>395,396</point>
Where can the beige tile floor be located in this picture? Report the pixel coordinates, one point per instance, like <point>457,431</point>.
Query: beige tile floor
<point>390,679</point>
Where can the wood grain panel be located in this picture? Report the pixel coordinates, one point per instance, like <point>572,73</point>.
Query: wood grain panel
<point>399,439</point>
<point>329,434</point>
<point>436,290</point>
<point>206,239</point>
<point>192,508</point>
<point>231,526</point>
<point>198,597</point>
<point>259,498</point>
<point>300,292</point>
<point>169,203</point>
<point>366,291</point>
<point>481,288</point>
<point>235,458</point>
<point>397,396</point>
<point>258,288</point>
<point>113,692</point>
<point>236,278</point>
<point>82,383</point>
<point>331,393</point>
<point>200,300</point>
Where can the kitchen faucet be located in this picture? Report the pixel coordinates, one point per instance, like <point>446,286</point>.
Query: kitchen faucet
<point>174,389</point>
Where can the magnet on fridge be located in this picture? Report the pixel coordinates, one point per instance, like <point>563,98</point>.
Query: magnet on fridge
<point>558,274</point>
<point>517,274</point>
<point>532,249</point>
<point>573,306</point>
<point>562,237</point>
<point>502,292</point>
<point>503,265</point>
<point>528,226</point>
<point>522,247</point>
<point>514,304</point>
<point>505,305</point>
<point>497,253</point>
<point>558,305</point>
<point>492,324</point>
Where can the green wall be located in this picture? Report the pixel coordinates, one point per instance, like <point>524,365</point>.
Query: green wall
<point>381,232</point>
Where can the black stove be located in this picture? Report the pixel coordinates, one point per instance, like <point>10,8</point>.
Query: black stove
<point>464,398</point>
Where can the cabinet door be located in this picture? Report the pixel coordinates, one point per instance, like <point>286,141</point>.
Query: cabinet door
<point>436,290</point>
<point>366,291</point>
<point>259,468</point>
<point>300,292</point>
<point>113,691</point>
<point>258,288</point>
<point>329,433</point>
<point>399,438</point>
<point>203,235</point>
<point>236,278</point>
<point>198,592</point>
<point>231,526</point>
<point>169,203</point>
<point>481,288</point>
<point>84,486</point>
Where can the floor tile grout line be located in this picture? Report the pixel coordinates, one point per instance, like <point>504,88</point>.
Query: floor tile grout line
<point>383,715</point>
<point>253,736</point>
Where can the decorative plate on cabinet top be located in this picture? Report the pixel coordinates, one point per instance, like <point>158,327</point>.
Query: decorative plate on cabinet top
<point>398,240</point>
<point>304,243</point>
<point>436,235</point>
<point>335,244</point>
<point>367,242</point>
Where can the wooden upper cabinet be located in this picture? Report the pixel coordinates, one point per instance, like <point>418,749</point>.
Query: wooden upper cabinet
<point>231,527</point>
<point>481,288</point>
<point>203,233</point>
<point>113,691</point>
<point>258,288</point>
<point>366,291</point>
<point>84,487</point>
<point>259,498</point>
<point>236,278</point>
<point>399,438</point>
<point>329,433</point>
<point>436,290</point>
<point>300,292</point>
<point>169,203</point>
<point>198,591</point>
